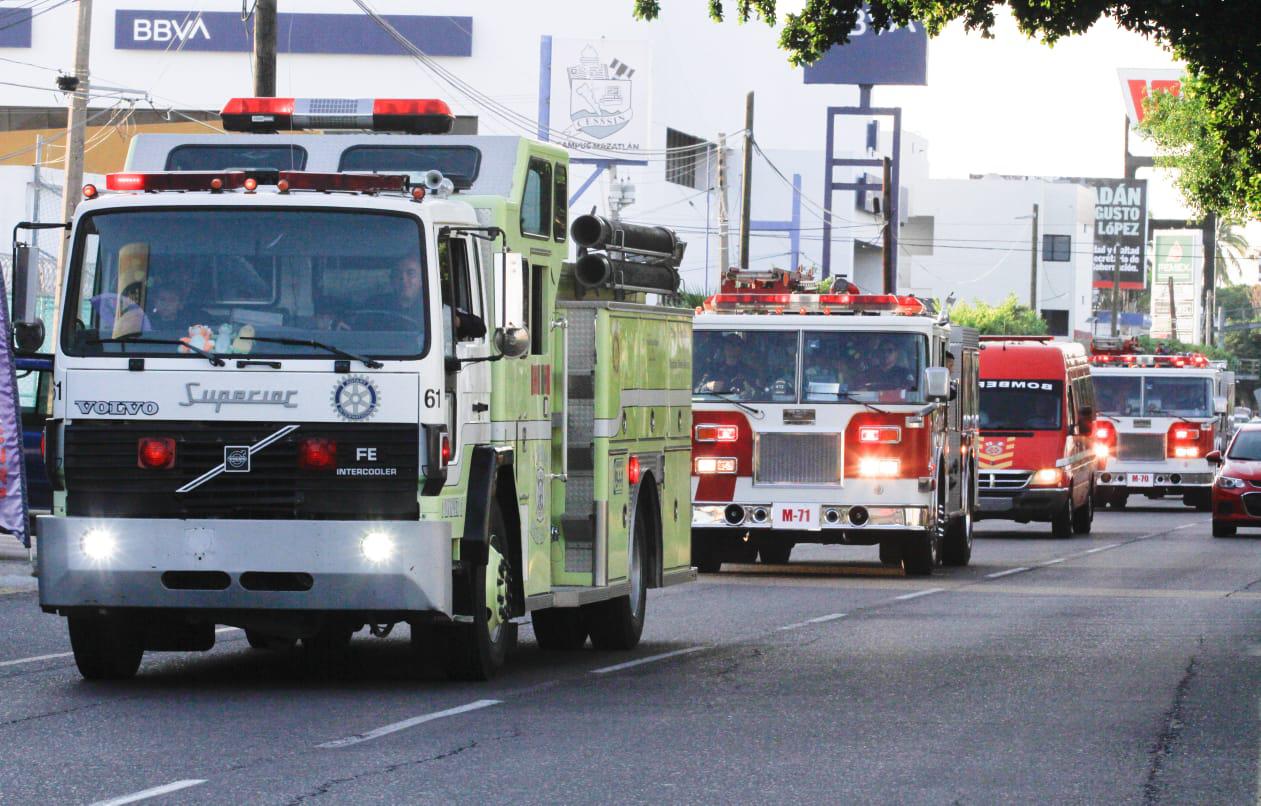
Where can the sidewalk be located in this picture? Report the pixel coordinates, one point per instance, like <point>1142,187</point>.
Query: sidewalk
<point>15,567</point>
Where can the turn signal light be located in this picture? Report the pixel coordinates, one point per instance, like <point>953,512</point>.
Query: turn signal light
<point>886,434</point>
<point>155,453</point>
<point>317,453</point>
<point>717,433</point>
<point>632,470</point>
<point>707,465</point>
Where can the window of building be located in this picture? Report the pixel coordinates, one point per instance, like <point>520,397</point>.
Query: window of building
<point>1056,321</point>
<point>689,160</point>
<point>1057,248</point>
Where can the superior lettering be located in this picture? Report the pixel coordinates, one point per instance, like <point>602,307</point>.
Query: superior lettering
<point>238,397</point>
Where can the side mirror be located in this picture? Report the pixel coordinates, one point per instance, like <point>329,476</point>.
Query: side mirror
<point>937,383</point>
<point>469,327</point>
<point>511,336</point>
<point>1214,457</point>
<point>1219,405</point>
<point>1082,427</point>
<point>28,337</point>
<point>1085,414</point>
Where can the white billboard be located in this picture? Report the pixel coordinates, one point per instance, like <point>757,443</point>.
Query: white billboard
<point>601,96</point>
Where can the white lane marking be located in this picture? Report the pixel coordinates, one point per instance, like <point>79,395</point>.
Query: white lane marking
<point>36,658</point>
<point>221,630</point>
<point>816,620</point>
<point>1101,548</point>
<point>617,667</point>
<point>1007,573</point>
<point>395,727</point>
<point>151,793</point>
<point>1056,561</point>
<point>918,594</point>
<point>1259,761</point>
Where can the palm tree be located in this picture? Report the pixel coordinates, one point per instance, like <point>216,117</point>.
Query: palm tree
<point>1231,249</point>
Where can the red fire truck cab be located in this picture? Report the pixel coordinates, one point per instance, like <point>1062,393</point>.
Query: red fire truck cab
<point>1036,459</point>
<point>830,418</point>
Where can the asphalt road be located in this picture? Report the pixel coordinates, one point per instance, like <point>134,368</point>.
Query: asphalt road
<point>1119,667</point>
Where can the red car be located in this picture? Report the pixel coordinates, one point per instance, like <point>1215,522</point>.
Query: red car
<point>1237,488</point>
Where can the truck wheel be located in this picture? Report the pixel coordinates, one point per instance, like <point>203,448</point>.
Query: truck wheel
<point>106,647</point>
<point>1223,529</point>
<point>1202,500</point>
<point>922,553</point>
<point>618,623</point>
<point>705,555</point>
<point>559,629</point>
<point>775,553</point>
<point>476,649</point>
<point>1062,521</point>
<point>1119,500</point>
<point>890,552</point>
<point>1101,498</point>
<point>325,654</point>
<point>956,549</point>
<point>1084,516</point>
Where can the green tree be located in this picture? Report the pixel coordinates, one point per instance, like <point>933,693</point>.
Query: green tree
<point>1007,319</point>
<point>1212,177</point>
<point>1216,38</point>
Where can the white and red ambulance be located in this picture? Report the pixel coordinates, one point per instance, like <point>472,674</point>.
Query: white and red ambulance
<point>830,418</point>
<point>1036,460</point>
<point>1159,416</point>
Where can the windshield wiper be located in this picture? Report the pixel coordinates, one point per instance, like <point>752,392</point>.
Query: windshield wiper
<point>214,359</point>
<point>755,412</point>
<point>370,363</point>
<point>850,397</point>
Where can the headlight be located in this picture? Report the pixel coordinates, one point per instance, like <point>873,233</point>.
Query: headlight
<point>704,465</point>
<point>872,467</point>
<point>377,547</point>
<point>1101,450</point>
<point>1181,452</point>
<point>98,544</point>
<point>1230,483</point>
<point>1048,477</point>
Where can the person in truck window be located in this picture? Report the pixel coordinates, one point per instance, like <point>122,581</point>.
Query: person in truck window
<point>889,371</point>
<point>729,375</point>
<point>169,307</point>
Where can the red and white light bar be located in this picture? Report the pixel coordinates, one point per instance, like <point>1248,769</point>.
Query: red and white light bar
<point>1192,360</point>
<point>268,115</point>
<point>816,304</point>
<point>156,181</point>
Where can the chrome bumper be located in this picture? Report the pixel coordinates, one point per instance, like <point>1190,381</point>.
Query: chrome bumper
<point>878,518</point>
<point>415,577</point>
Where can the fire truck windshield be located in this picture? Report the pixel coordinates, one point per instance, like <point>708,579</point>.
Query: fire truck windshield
<point>233,281</point>
<point>1021,405</point>
<point>837,367</point>
<point>1153,395</point>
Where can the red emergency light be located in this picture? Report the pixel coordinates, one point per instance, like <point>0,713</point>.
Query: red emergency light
<point>902,305</point>
<point>175,180</point>
<point>354,183</point>
<point>269,115</point>
<point>1151,361</point>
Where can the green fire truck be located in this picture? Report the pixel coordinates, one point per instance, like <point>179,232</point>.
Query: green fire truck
<point>311,383</point>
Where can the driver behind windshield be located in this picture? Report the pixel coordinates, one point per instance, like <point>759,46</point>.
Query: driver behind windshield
<point>729,374</point>
<point>889,370</point>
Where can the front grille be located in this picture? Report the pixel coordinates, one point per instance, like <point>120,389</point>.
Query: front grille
<point>797,459</point>
<point>1252,503</point>
<point>1002,479</point>
<point>103,479</point>
<point>1141,447</point>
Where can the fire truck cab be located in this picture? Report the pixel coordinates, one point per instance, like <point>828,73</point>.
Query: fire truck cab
<point>840,418</point>
<point>1159,415</point>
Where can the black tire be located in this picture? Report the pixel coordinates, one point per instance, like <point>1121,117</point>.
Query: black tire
<point>1119,500</point>
<point>106,647</point>
<point>262,640</point>
<point>619,622</point>
<point>776,552</point>
<point>956,547</point>
<point>559,629</point>
<point>922,553</point>
<point>1101,498</point>
<point>1203,501</point>
<point>1223,529</point>
<point>1084,516</point>
<point>705,554</point>
<point>477,649</point>
<point>1062,521</point>
<point>890,552</point>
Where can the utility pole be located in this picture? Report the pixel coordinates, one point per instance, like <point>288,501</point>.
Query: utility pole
<point>1173,312</point>
<point>886,252</point>
<point>76,124</point>
<point>724,224</point>
<point>1033,263</point>
<point>746,182</point>
<point>265,49</point>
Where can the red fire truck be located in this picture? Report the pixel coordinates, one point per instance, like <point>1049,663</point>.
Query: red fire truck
<point>1036,457</point>
<point>1159,415</point>
<point>836,417</point>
